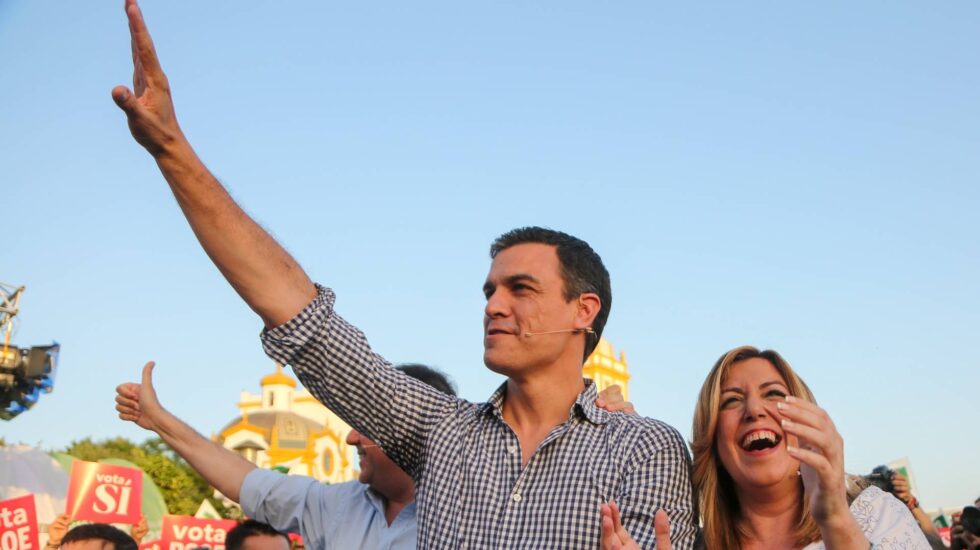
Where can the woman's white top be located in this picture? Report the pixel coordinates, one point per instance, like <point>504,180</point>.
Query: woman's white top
<point>886,522</point>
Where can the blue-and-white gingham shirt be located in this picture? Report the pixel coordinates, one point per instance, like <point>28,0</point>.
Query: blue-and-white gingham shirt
<point>471,490</point>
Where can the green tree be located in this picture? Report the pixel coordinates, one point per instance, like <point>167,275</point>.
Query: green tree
<point>182,488</point>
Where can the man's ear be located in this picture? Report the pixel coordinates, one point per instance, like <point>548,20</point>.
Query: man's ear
<point>589,305</point>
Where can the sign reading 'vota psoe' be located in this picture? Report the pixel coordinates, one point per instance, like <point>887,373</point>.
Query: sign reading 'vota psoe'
<point>18,524</point>
<point>185,533</point>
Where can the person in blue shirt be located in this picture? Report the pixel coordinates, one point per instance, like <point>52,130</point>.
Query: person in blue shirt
<point>376,511</point>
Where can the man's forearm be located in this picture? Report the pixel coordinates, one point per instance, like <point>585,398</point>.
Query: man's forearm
<point>220,467</point>
<point>260,270</point>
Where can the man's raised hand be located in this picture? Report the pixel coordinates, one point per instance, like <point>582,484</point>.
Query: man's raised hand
<point>149,106</point>
<point>270,281</point>
<point>138,403</point>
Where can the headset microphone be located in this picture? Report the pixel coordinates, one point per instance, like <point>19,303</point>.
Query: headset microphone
<point>587,330</point>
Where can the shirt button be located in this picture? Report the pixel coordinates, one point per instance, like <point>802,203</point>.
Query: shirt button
<point>512,449</point>
<point>516,497</point>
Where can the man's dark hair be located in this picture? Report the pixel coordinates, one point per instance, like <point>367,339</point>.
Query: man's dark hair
<point>581,270</point>
<point>250,528</point>
<point>428,375</point>
<point>101,531</point>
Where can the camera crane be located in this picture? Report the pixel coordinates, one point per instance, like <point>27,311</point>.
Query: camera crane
<point>9,301</point>
<point>25,373</point>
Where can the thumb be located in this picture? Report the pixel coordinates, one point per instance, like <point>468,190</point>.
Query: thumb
<point>661,529</point>
<point>147,384</point>
<point>125,99</point>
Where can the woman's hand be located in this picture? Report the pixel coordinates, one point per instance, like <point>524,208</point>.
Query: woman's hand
<point>820,450</point>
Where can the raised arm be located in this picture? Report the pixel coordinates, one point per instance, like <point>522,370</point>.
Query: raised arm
<point>220,467</point>
<point>259,269</point>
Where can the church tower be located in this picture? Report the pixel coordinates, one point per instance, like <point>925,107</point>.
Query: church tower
<point>606,369</point>
<point>287,429</point>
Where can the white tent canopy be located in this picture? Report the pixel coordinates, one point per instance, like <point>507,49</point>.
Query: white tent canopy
<point>25,470</point>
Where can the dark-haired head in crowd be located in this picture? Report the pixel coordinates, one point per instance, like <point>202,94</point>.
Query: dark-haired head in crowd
<point>97,536</point>
<point>255,535</point>
<point>395,487</point>
<point>965,534</point>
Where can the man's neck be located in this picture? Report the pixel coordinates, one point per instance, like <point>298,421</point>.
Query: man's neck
<point>397,493</point>
<point>533,406</point>
<point>395,507</point>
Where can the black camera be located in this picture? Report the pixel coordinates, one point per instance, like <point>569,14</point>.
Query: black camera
<point>881,477</point>
<point>970,519</point>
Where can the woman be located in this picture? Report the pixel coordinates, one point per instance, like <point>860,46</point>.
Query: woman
<point>769,469</point>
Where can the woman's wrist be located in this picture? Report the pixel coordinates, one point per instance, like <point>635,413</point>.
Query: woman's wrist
<point>842,532</point>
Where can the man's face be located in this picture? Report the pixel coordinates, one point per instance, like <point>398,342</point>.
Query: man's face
<point>375,465</point>
<point>89,544</point>
<point>524,292</point>
<point>265,542</point>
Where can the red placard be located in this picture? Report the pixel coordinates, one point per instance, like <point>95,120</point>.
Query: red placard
<point>186,532</point>
<point>18,524</point>
<point>104,493</point>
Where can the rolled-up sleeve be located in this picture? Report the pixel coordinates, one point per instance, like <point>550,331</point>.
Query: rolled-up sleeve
<point>337,365</point>
<point>659,477</point>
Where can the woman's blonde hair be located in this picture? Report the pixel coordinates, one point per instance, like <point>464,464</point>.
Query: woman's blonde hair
<point>721,515</point>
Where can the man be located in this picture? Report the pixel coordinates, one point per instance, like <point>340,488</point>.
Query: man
<point>255,535</point>
<point>531,467</point>
<point>96,536</point>
<point>59,527</point>
<point>377,511</point>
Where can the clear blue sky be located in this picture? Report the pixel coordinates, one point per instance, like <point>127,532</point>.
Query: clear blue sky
<point>799,177</point>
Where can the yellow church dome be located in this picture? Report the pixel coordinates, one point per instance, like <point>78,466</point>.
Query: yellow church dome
<point>278,378</point>
<point>606,369</point>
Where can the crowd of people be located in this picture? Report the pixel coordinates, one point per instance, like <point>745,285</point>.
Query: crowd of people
<point>546,461</point>
<point>247,535</point>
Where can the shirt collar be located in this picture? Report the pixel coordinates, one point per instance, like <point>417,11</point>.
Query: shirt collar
<point>584,405</point>
<point>377,501</point>
<point>374,499</point>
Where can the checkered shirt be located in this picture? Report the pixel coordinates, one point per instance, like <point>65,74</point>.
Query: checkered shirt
<point>471,489</point>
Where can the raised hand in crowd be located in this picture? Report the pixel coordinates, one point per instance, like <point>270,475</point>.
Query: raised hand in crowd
<point>260,270</point>
<point>138,403</point>
<point>140,529</point>
<point>615,536</point>
<point>611,399</point>
<point>148,106</point>
<point>57,530</point>
<point>220,467</point>
<point>903,491</point>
